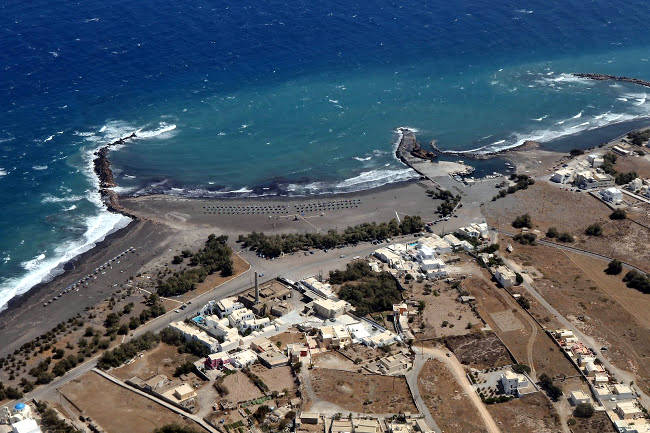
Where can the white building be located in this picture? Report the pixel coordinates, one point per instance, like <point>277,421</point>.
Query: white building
<point>389,257</point>
<point>562,176</point>
<point>595,160</point>
<point>244,358</point>
<point>254,324</point>
<point>190,333</point>
<point>241,315</point>
<point>612,195</point>
<point>322,289</point>
<point>466,246</point>
<point>506,277</point>
<point>25,426</point>
<point>588,179</point>
<point>453,241</point>
<point>227,305</point>
<point>578,397</point>
<point>512,382</point>
<point>623,392</point>
<point>328,308</point>
<point>435,243</point>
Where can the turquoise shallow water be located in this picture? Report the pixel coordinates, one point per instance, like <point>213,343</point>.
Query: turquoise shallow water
<point>282,98</point>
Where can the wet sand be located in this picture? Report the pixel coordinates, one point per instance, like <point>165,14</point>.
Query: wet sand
<point>286,214</point>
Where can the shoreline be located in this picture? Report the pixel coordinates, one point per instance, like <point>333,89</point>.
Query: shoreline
<point>165,216</point>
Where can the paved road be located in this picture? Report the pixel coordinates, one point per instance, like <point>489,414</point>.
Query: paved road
<point>412,381</point>
<point>458,372</point>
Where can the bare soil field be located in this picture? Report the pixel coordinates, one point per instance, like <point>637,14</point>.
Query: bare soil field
<point>116,409</point>
<point>445,399</point>
<point>334,360</point>
<point>366,393</point>
<point>571,211</point>
<point>240,388</point>
<point>277,379</point>
<point>288,337</point>
<point>599,305</point>
<point>597,423</point>
<point>527,341</point>
<point>531,413</point>
<point>479,350</point>
<point>641,165</point>
<point>163,359</point>
<point>441,307</point>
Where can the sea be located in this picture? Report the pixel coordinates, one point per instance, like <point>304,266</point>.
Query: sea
<point>282,97</point>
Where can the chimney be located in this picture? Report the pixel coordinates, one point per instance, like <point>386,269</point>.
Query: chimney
<point>257,290</point>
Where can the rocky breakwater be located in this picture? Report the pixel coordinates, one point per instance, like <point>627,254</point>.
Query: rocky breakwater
<point>604,77</point>
<point>102,168</point>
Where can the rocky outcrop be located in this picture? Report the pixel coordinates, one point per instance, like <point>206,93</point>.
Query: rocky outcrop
<point>409,146</point>
<point>604,77</point>
<point>102,167</point>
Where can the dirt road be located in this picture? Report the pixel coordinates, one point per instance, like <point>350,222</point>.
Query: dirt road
<point>457,370</point>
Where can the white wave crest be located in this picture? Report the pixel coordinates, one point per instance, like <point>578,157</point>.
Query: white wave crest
<point>3,172</point>
<point>163,131</point>
<point>49,198</point>
<point>39,167</point>
<point>69,208</point>
<point>374,178</point>
<point>358,158</point>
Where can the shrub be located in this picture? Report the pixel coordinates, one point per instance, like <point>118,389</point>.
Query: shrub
<point>638,281</point>
<point>521,368</point>
<point>614,267</point>
<point>624,178</point>
<point>553,391</point>
<point>565,237</point>
<point>583,410</point>
<point>524,302</point>
<point>518,278</point>
<point>618,214</point>
<point>525,238</point>
<point>126,351</point>
<point>594,230</point>
<point>552,232</point>
<point>522,221</point>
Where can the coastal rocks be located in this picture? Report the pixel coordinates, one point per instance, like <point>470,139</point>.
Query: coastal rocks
<point>102,168</point>
<point>603,77</point>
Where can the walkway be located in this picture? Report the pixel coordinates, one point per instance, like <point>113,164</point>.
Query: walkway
<point>412,381</point>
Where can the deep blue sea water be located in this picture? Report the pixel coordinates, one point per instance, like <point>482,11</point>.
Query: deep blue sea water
<point>281,97</point>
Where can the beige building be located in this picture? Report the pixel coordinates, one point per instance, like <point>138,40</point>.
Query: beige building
<point>628,410</point>
<point>506,277</point>
<point>328,308</point>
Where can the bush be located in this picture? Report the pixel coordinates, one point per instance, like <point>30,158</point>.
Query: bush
<point>372,294</point>
<point>215,256</point>
<point>524,302</point>
<point>552,232</point>
<point>126,351</point>
<point>639,137</point>
<point>553,391</point>
<point>638,281</point>
<point>565,237</point>
<point>175,428</point>
<point>614,267</point>
<point>274,246</point>
<point>175,338</point>
<point>576,152</point>
<point>525,238</point>
<point>594,230</point>
<point>522,221</point>
<point>518,278</point>
<point>521,368</point>
<point>618,214</point>
<point>624,178</point>
<point>583,410</point>
<point>185,368</point>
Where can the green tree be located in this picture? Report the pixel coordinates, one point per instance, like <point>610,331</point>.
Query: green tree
<point>594,229</point>
<point>614,267</point>
<point>523,221</point>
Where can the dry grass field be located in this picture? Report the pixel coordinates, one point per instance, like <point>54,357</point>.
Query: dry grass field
<point>116,409</point>
<point>570,211</point>
<point>531,413</point>
<point>449,405</point>
<point>526,340</point>
<point>335,361</point>
<point>288,337</point>
<point>598,304</point>
<point>479,350</point>
<point>277,379</point>
<point>441,308</point>
<point>597,423</point>
<point>368,393</point>
<point>163,359</point>
<point>240,388</point>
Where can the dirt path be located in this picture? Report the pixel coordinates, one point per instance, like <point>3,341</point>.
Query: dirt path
<point>457,370</point>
